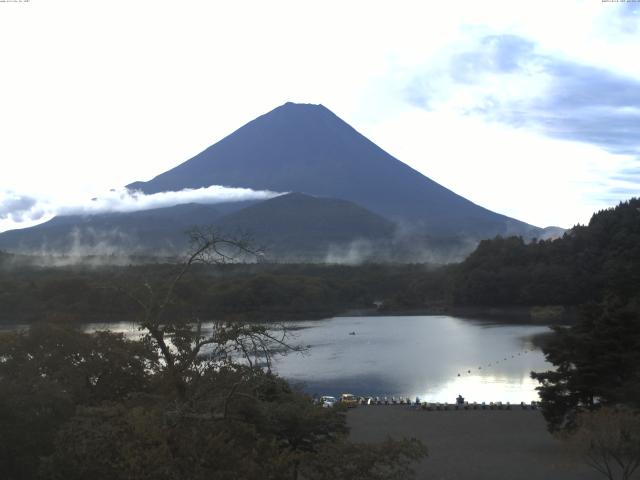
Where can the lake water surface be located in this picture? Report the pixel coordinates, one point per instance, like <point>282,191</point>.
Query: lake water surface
<point>433,357</point>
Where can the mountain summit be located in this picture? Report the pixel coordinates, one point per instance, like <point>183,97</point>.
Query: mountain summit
<point>307,148</point>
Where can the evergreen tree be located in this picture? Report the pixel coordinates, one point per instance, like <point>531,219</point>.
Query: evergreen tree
<point>597,363</point>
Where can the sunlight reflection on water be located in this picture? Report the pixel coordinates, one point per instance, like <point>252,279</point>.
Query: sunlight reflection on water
<point>433,357</point>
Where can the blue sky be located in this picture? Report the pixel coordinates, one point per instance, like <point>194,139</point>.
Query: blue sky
<point>531,109</point>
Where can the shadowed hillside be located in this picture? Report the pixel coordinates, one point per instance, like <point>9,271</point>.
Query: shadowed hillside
<point>107,233</point>
<point>292,226</point>
<point>307,226</point>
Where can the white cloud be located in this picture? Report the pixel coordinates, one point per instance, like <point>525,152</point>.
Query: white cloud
<point>100,94</point>
<point>18,211</point>
<point>519,141</point>
<point>513,171</point>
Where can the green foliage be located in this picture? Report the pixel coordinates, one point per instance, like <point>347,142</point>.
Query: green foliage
<point>264,292</point>
<point>59,419</point>
<point>148,437</point>
<point>49,370</point>
<point>585,265</point>
<point>90,369</point>
<point>597,362</point>
<point>31,412</point>
<point>184,402</point>
<point>264,296</point>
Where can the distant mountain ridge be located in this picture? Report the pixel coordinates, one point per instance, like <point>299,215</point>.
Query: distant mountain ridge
<point>298,226</point>
<point>307,148</point>
<point>290,226</point>
<point>135,232</point>
<point>300,214</point>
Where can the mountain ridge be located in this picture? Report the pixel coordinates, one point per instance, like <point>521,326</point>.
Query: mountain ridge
<point>293,225</point>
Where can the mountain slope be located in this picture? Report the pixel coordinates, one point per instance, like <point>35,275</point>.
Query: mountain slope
<point>107,233</point>
<point>300,226</point>
<point>307,148</point>
<point>290,226</point>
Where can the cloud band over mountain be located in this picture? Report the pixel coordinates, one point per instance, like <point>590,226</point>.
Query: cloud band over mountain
<point>18,210</point>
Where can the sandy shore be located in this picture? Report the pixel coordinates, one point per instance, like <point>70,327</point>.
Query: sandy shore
<point>474,444</point>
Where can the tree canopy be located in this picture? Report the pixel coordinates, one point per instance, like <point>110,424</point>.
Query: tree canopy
<point>186,401</point>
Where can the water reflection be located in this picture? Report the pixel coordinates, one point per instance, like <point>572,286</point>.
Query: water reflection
<point>433,357</point>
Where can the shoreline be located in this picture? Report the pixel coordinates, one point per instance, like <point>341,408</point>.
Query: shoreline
<point>530,315</point>
<point>498,315</point>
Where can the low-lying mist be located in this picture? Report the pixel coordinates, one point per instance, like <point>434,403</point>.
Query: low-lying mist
<point>92,245</point>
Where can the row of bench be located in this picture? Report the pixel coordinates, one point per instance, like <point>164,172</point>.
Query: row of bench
<point>533,405</point>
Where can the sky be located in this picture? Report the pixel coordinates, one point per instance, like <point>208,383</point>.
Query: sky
<point>530,109</point>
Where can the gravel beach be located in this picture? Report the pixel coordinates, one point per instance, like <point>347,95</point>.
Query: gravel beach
<point>474,444</point>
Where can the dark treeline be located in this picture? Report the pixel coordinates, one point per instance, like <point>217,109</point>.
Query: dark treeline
<point>597,360</point>
<point>244,291</point>
<point>583,266</point>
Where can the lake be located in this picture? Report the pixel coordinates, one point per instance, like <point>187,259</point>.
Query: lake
<point>435,357</point>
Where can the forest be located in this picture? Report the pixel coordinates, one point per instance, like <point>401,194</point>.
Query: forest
<point>586,265</point>
<point>76,405</point>
<point>183,402</point>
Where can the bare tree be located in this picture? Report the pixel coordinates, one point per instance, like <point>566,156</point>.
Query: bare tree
<point>182,340</point>
<point>609,440</point>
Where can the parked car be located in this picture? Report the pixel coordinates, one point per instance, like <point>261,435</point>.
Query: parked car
<point>328,401</point>
<point>349,400</point>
